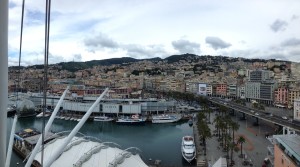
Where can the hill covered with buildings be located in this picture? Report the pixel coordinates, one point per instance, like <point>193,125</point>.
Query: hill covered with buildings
<point>272,82</point>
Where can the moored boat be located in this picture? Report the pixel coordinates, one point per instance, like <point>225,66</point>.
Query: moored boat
<point>166,118</point>
<point>133,120</point>
<point>188,148</point>
<point>103,119</point>
<point>190,122</point>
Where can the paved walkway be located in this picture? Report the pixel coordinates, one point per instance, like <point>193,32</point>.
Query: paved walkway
<point>255,147</point>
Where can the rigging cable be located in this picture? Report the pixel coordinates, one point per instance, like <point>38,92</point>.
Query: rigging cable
<point>46,53</point>
<point>20,54</point>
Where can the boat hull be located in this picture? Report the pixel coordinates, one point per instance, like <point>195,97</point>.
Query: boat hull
<point>103,119</point>
<point>129,122</point>
<point>161,121</point>
<point>165,119</point>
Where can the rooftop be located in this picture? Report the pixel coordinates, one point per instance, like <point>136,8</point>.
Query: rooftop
<point>291,143</point>
<point>87,152</point>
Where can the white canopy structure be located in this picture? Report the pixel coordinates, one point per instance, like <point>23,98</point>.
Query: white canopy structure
<point>87,152</point>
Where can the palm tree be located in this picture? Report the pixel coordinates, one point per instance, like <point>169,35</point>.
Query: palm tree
<point>208,110</point>
<point>231,146</point>
<point>241,140</point>
<point>218,121</point>
<point>204,132</point>
<point>234,126</point>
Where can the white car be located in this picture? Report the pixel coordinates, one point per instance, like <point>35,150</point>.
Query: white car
<point>252,111</point>
<point>257,114</point>
<point>284,117</point>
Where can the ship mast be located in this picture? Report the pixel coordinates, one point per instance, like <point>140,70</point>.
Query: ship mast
<point>4,77</point>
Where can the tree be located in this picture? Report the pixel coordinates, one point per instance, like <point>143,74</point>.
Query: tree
<point>208,110</point>
<point>204,132</point>
<point>234,126</point>
<point>218,124</point>
<point>241,141</point>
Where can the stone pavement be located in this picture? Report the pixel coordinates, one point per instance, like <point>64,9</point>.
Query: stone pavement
<point>255,147</point>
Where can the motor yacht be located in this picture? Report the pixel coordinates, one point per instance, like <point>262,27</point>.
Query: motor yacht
<point>188,148</point>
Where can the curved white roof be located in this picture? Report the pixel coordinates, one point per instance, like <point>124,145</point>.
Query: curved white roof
<point>87,153</point>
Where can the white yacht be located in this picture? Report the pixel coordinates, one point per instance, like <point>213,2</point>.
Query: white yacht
<point>188,148</point>
<point>133,120</point>
<point>166,118</point>
<point>103,119</point>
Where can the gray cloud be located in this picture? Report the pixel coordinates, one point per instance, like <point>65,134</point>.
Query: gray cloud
<point>185,46</point>
<point>295,52</point>
<point>101,41</point>
<point>278,25</point>
<point>291,42</point>
<point>217,43</point>
<point>139,51</point>
<point>295,17</point>
<point>53,59</point>
<point>77,57</point>
<point>276,56</point>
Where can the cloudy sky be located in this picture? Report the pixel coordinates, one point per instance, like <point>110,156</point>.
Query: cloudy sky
<point>83,30</point>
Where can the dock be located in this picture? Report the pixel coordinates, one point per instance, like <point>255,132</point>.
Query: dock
<point>200,158</point>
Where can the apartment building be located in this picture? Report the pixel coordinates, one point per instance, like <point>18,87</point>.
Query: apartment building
<point>297,109</point>
<point>294,93</point>
<point>241,91</point>
<point>252,91</point>
<point>266,92</point>
<point>259,75</point>
<point>232,91</point>
<point>221,89</point>
<point>281,96</point>
<point>209,90</point>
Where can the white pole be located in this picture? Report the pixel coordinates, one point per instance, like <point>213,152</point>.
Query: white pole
<point>49,123</point>
<point>11,141</point>
<point>4,77</point>
<point>67,140</point>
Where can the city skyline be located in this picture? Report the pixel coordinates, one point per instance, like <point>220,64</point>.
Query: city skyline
<point>147,29</point>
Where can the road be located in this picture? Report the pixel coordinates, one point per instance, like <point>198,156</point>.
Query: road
<point>275,119</point>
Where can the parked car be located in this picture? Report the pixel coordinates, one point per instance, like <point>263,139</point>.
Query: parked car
<point>284,117</point>
<point>257,114</point>
<point>252,111</point>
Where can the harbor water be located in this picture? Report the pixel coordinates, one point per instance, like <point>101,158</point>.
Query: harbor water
<point>156,141</point>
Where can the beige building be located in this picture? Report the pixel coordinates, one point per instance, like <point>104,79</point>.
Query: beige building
<point>297,110</point>
<point>293,94</point>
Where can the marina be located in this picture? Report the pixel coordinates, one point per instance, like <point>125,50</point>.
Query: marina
<point>163,140</point>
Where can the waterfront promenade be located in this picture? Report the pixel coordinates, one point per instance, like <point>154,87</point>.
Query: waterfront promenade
<point>255,147</point>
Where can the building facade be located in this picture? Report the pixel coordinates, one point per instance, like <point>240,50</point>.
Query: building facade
<point>281,96</point>
<point>293,94</point>
<point>297,109</point>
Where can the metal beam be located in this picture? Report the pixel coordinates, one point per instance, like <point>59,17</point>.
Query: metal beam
<point>66,141</point>
<point>4,77</point>
<point>11,141</point>
<point>49,123</point>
